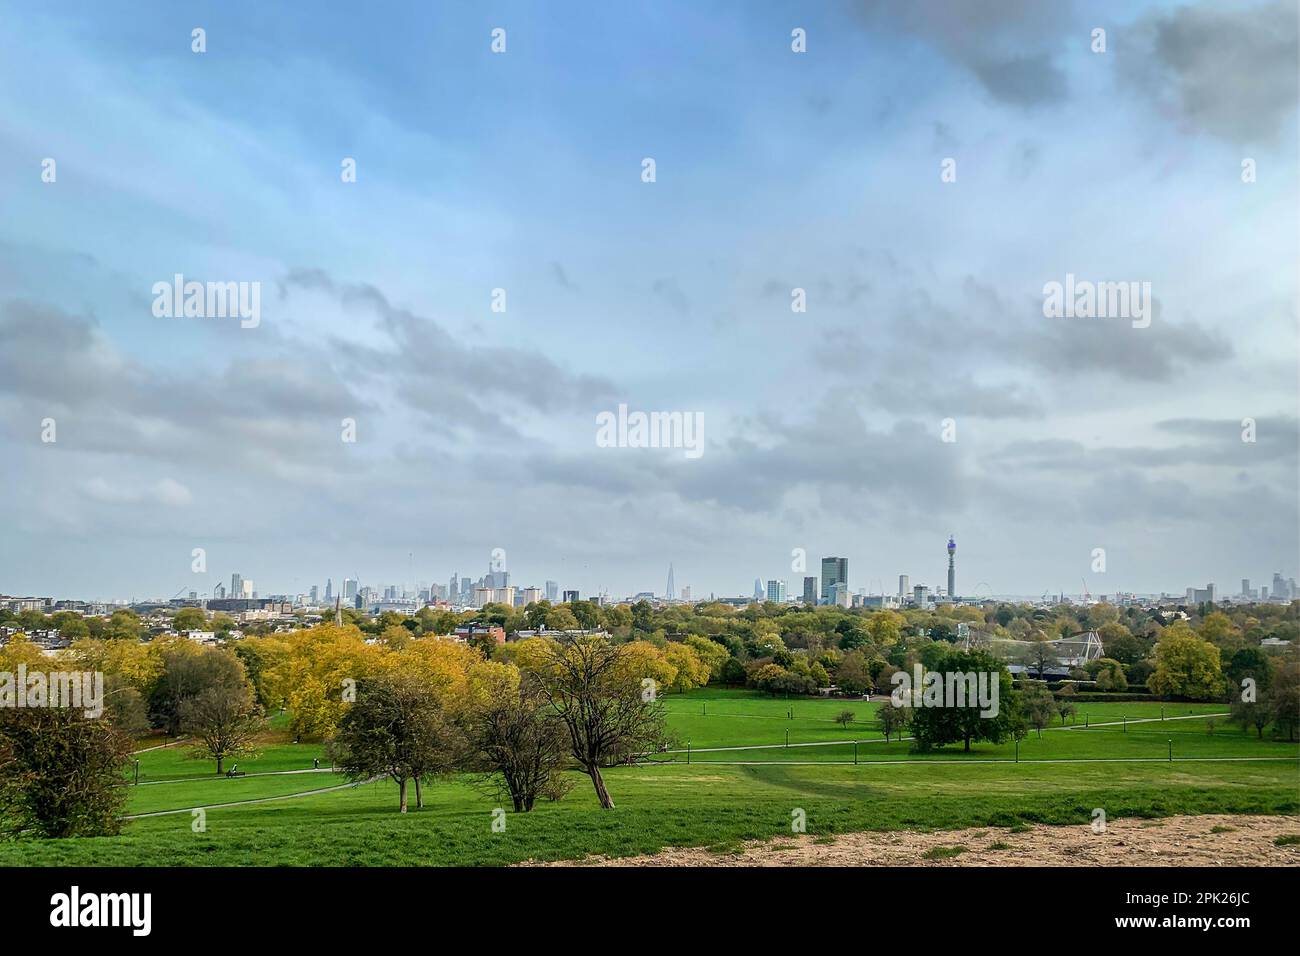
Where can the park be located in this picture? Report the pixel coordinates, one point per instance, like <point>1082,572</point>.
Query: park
<point>743,762</point>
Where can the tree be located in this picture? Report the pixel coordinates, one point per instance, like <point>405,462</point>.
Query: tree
<point>692,672</point>
<point>1249,662</point>
<point>224,719</point>
<point>954,720</point>
<point>60,773</point>
<point>892,719</point>
<point>1186,665</point>
<point>1110,675</point>
<point>1120,644</point>
<point>770,678</point>
<point>189,619</point>
<point>1251,713</point>
<point>398,729</point>
<point>187,671</point>
<point>1039,655</point>
<point>853,675</point>
<point>1284,700</point>
<point>1218,629</point>
<point>844,718</point>
<point>885,627</point>
<point>1038,705</point>
<point>713,654</point>
<point>514,737</point>
<point>603,705</point>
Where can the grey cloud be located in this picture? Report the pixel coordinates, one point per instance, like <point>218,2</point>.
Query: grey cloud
<point>1228,70</point>
<point>1008,45</point>
<point>434,372</point>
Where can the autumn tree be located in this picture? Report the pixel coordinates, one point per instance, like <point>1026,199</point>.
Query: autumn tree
<point>1186,665</point>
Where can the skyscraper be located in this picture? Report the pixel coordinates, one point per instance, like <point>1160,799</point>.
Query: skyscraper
<point>236,585</point>
<point>810,590</point>
<point>952,571</point>
<point>552,591</point>
<point>758,590</point>
<point>904,586</point>
<point>834,571</point>
<point>672,590</point>
<point>776,591</point>
<point>329,590</point>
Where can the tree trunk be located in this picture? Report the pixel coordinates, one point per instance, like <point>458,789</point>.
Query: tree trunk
<point>218,765</point>
<point>419,795</point>
<point>401,789</point>
<point>967,747</point>
<point>597,781</point>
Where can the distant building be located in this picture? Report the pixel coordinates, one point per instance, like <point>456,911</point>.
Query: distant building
<point>810,590</point>
<point>776,591</point>
<point>839,595</point>
<point>904,586</point>
<point>552,591</point>
<point>921,595</point>
<point>952,571</point>
<point>570,597</point>
<point>494,632</point>
<point>834,571</point>
<point>686,593</point>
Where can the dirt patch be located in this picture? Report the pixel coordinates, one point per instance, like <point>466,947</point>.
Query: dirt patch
<point>1172,841</point>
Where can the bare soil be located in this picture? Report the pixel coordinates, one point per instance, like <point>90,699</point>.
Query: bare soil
<point>1208,840</point>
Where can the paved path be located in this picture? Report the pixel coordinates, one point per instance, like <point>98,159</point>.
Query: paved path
<point>881,740</point>
<point>247,776</point>
<point>244,803</point>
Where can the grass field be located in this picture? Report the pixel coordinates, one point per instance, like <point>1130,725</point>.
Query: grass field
<point>719,799</point>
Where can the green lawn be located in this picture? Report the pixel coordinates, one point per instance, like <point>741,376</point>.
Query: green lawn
<point>715,801</point>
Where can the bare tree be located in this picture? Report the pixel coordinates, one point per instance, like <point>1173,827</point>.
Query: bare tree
<point>609,710</point>
<point>515,738</point>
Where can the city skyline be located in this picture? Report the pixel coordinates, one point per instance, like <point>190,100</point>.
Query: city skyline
<point>838,275</point>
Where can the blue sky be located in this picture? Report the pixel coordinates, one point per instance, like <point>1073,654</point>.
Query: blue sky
<point>521,171</point>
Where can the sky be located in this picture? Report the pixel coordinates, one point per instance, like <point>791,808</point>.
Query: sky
<point>922,393</point>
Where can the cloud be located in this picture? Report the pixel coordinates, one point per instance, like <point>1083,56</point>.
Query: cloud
<point>167,492</point>
<point>1228,70</point>
<point>1007,46</point>
<point>433,372</point>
